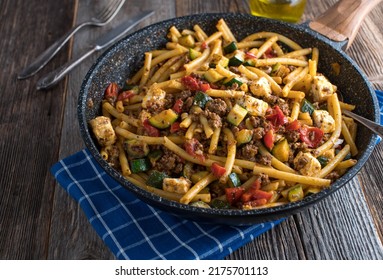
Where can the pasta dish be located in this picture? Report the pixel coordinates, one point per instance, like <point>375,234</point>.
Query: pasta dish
<point>217,122</point>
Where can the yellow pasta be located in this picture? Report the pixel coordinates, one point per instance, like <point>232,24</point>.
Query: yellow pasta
<point>226,32</point>
<point>333,103</point>
<point>147,139</point>
<point>275,162</point>
<point>298,53</point>
<point>147,67</point>
<point>225,93</point>
<point>334,162</point>
<point>345,106</point>
<point>293,45</point>
<point>205,197</point>
<point>269,42</point>
<point>348,138</point>
<point>295,110</point>
<point>274,173</point>
<point>113,111</point>
<point>299,76</point>
<point>162,70</point>
<point>125,169</point>
<point>231,151</point>
<point>281,60</point>
<point>194,64</point>
<point>214,115</point>
<point>346,164</point>
<point>200,34</point>
<point>214,140</point>
<point>190,132</point>
<point>206,127</point>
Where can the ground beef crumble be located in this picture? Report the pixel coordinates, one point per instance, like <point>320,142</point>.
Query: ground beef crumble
<point>217,106</point>
<point>170,163</point>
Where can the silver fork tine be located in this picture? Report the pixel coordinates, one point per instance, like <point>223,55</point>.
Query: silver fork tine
<point>101,14</point>
<point>110,10</point>
<point>106,15</point>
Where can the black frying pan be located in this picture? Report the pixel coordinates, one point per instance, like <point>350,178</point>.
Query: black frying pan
<point>126,57</point>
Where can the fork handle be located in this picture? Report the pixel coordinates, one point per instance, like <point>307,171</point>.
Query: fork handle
<point>49,53</point>
<point>57,75</point>
<point>373,126</point>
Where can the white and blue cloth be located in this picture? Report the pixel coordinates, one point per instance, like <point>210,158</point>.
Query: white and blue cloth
<point>134,230</point>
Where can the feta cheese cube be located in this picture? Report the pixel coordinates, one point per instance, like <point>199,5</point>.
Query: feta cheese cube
<point>254,106</point>
<point>324,121</point>
<point>321,88</point>
<point>103,130</point>
<point>177,185</point>
<point>261,87</point>
<point>155,95</point>
<point>307,164</point>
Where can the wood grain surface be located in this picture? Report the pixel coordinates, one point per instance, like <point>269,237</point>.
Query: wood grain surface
<point>39,220</point>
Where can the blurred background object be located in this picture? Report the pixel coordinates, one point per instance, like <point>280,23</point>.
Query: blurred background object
<point>286,10</point>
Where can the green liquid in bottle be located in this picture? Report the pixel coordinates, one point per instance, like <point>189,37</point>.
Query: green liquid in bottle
<point>286,10</point>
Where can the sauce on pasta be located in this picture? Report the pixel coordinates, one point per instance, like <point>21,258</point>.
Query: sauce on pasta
<point>215,122</point>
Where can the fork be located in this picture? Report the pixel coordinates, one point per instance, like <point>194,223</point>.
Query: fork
<point>102,18</point>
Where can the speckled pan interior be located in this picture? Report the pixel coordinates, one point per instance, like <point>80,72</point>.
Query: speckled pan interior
<point>125,57</point>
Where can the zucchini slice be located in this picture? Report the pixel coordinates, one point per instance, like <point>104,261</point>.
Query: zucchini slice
<point>236,115</point>
<point>163,119</point>
<point>231,47</point>
<point>156,178</point>
<point>140,165</point>
<point>200,99</point>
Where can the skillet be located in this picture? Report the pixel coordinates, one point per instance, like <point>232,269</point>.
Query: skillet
<point>124,58</point>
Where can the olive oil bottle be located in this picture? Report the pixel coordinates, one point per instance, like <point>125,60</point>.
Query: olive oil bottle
<point>286,10</point>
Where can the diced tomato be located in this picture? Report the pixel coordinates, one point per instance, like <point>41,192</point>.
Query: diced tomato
<point>268,139</point>
<point>111,92</point>
<point>312,136</point>
<point>190,83</point>
<point>204,45</point>
<point>269,53</point>
<point>125,95</point>
<point>177,107</point>
<point>217,170</point>
<point>204,87</point>
<point>175,127</point>
<point>256,184</point>
<point>255,194</point>
<point>151,130</point>
<point>233,195</point>
<point>191,147</point>
<point>246,197</point>
<point>294,125</point>
<point>276,116</point>
<point>259,194</point>
<point>250,55</point>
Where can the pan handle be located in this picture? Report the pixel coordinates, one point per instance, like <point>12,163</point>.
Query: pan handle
<point>342,21</point>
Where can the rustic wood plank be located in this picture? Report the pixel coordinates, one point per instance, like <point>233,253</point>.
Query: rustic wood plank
<point>73,230</point>
<point>339,227</point>
<point>299,237</point>
<point>30,125</point>
<point>339,240</point>
<point>347,225</point>
<point>371,179</point>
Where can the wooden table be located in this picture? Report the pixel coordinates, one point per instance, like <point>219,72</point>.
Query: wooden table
<point>38,219</point>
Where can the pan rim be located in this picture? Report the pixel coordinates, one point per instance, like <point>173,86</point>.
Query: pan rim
<point>181,209</point>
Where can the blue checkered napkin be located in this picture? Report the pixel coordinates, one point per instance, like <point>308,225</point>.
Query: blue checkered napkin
<point>134,230</point>
<point>379,94</point>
